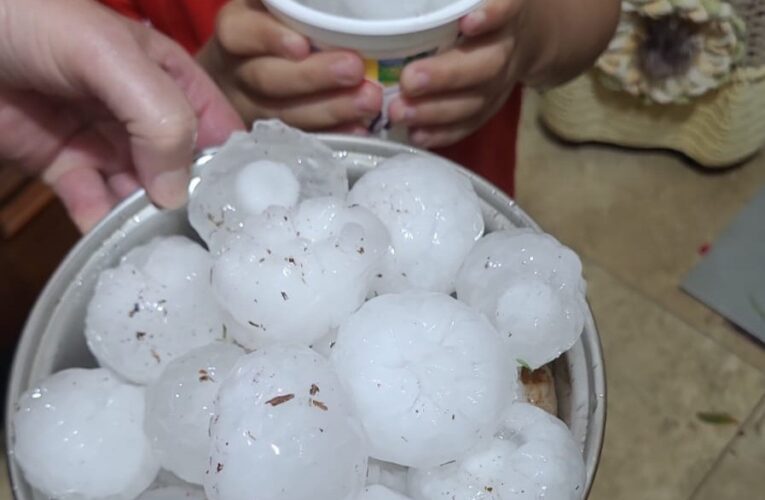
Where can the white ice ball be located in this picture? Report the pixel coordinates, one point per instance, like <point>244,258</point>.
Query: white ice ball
<point>428,375</point>
<point>79,434</point>
<point>154,306</point>
<point>284,429</point>
<point>533,456</point>
<point>294,275</point>
<point>180,406</point>
<point>174,493</point>
<point>433,216</point>
<point>379,492</point>
<point>273,165</point>
<point>531,287</point>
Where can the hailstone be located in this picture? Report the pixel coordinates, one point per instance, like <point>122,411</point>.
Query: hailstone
<point>428,376</point>
<point>392,476</point>
<point>79,434</point>
<point>533,456</point>
<point>273,165</point>
<point>180,406</point>
<point>284,429</point>
<point>154,306</point>
<point>174,493</point>
<point>378,492</point>
<point>294,275</point>
<point>433,216</point>
<point>531,287</point>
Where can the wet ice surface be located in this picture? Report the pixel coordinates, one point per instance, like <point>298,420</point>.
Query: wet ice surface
<point>392,476</point>
<point>294,275</point>
<point>433,216</point>
<point>428,376</point>
<point>174,493</point>
<point>533,456</point>
<point>257,169</point>
<point>180,407</point>
<point>79,434</point>
<point>378,492</point>
<point>285,430</point>
<point>531,287</point>
<point>375,9</point>
<point>153,307</point>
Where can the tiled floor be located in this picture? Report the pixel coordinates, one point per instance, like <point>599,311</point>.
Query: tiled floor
<point>638,220</point>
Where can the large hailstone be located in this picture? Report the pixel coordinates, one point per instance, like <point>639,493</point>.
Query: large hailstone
<point>284,429</point>
<point>274,165</point>
<point>428,376</point>
<point>433,215</point>
<point>531,287</point>
<point>154,306</point>
<point>294,275</point>
<point>533,456</point>
<point>180,406</point>
<point>174,493</point>
<point>79,434</point>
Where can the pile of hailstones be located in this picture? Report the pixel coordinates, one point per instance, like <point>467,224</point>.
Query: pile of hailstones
<point>315,349</point>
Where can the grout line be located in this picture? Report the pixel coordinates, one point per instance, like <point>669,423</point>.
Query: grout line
<point>718,461</point>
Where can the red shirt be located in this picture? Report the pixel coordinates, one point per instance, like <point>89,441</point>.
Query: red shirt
<point>490,151</point>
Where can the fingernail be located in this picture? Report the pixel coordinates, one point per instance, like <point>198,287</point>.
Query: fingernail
<point>419,138</point>
<point>170,189</point>
<point>348,71</point>
<point>473,21</point>
<point>369,101</point>
<point>418,81</point>
<point>295,45</point>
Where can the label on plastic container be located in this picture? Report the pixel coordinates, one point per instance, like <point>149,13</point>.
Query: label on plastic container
<point>387,72</point>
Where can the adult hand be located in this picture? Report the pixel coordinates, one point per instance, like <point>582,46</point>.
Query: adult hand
<point>100,106</point>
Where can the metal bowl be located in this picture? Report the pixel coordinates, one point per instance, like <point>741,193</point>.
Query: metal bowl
<point>53,338</point>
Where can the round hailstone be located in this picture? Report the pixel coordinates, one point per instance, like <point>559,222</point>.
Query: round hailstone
<point>531,287</point>
<point>180,406</point>
<point>154,306</point>
<point>294,275</point>
<point>174,493</point>
<point>428,376</point>
<point>79,434</point>
<point>533,456</point>
<point>274,165</point>
<point>379,492</point>
<point>283,428</point>
<point>433,215</point>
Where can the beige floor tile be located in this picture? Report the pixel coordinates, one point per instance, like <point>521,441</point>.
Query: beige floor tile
<point>641,215</point>
<point>661,373</point>
<point>5,483</point>
<point>740,471</point>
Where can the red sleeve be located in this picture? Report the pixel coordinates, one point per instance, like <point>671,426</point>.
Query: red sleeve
<point>188,22</point>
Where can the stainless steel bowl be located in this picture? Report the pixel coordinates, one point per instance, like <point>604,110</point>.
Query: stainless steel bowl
<point>53,338</point>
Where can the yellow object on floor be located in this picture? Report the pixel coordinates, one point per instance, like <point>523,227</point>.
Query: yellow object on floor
<point>719,129</point>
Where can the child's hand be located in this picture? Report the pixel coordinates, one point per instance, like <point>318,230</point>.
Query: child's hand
<point>268,71</point>
<point>447,97</point>
<point>537,42</point>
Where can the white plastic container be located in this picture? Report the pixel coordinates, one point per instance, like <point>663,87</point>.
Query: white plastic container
<point>386,45</point>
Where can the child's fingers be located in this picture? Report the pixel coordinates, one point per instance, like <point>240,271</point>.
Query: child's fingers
<point>280,78</point>
<point>463,67</point>
<point>434,137</point>
<point>494,14</point>
<point>442,110</point>
<point>320,112</point>
<point>243,31</point>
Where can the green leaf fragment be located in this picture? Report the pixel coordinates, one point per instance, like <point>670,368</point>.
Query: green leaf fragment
<point>716,418</point>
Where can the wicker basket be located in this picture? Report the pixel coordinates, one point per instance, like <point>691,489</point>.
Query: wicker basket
<point>719,129</point>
